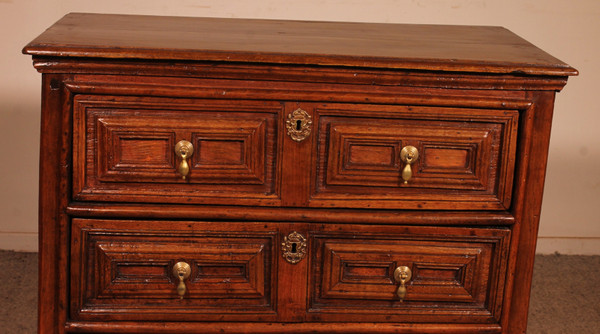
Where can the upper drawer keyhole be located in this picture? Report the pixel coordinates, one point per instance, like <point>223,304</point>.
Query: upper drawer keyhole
<point>298,125</point>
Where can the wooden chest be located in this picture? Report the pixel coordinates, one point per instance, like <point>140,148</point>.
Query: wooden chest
<point>257,176</point>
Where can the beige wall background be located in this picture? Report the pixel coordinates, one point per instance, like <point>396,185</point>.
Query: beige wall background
<point>567,29</point>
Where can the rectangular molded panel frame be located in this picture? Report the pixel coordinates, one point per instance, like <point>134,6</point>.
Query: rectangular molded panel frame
<point>458,274</point>
<point>466,157</point>
<point>123,150</point>
<point>122,270</point>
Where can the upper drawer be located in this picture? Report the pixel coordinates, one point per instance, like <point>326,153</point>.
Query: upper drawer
<point>464,158</point>
<point>124,150</point>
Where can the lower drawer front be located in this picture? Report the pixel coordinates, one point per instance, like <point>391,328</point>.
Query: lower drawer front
<point>457,275</point>
<point>123,270</point>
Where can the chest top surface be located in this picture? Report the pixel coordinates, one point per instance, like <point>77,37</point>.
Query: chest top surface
<point>479,49</point>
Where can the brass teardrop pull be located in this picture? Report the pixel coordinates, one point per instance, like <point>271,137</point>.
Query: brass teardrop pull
<point>402,275</point>
<point>408,155</point>
<point>184,150</point>
<point>182,271</point>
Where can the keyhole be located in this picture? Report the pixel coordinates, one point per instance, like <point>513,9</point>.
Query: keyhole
<point>298,125</point>
<point>181,275</point>
<point>294,248</point>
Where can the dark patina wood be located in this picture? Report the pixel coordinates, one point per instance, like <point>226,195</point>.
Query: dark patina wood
<point>115,214</point>
<point>418,47</point>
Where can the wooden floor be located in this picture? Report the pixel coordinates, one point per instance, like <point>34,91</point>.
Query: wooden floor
<point>565,294</point>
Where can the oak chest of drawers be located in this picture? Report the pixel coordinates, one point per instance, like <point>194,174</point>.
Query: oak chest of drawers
<point>255,176</point>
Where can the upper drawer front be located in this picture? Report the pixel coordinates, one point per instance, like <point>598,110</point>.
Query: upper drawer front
<point>457,275</point>
<point>465,157</point>
<point>124,270</point>
<point>124,150</point>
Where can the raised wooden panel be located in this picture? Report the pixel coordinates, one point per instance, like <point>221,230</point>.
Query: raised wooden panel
<point>120,151</point>
<point>371,155</point>
<point>123,270</point>
<point>140,151</point>
<point>466,159</point>
<point>124,150</point>
<point>234,154</point>
<point>225,152</point>
<point>447,158</point>
<point>457,275</point>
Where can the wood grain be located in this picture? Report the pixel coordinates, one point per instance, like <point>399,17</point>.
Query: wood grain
<point>449,270</point>
<point>122,270</point>
<point>119,91</point>
<point>421,47</point>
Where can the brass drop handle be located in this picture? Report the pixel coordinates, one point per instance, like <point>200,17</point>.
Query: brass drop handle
<point>184,150</point>
<point>182,271</point>
<point>402,275</point>
<point>408,155</point>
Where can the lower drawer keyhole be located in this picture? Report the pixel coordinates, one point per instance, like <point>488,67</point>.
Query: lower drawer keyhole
<point>294,247</point>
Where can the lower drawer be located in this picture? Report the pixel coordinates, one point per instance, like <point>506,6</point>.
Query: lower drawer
<point>123,270</point>
<point>454,275</point>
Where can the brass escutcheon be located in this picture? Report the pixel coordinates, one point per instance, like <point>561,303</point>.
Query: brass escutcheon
<point>294,247</point>
<point>298,125</point>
